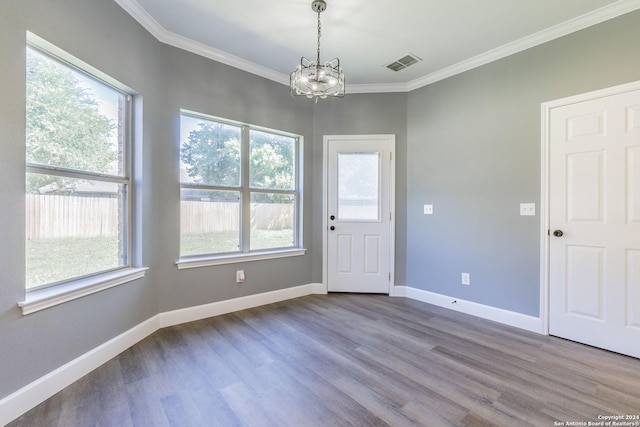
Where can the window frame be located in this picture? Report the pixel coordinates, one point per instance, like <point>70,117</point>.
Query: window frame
<point>244,252</point>
<point>53,293</point>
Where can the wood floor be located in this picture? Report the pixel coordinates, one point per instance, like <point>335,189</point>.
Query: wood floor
<point>347,360</point>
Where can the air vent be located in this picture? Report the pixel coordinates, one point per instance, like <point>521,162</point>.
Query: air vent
<point>404,62</point>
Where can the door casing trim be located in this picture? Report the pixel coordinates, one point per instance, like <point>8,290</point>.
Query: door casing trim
<point>545,172</point>
<point>392,201</point>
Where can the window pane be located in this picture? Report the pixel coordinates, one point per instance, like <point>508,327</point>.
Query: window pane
<point>271,163</point>
<point>73,121</point>
<point>209,221</point>
<point>74,228</point>
<point>358,186</point>
<point>272,221</point>
<point>209,152</point>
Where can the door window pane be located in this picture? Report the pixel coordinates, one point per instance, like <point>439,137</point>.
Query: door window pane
<point>209,221</point>
<point>272,221</point>
<point>74,228</point>
<point>359,186</point>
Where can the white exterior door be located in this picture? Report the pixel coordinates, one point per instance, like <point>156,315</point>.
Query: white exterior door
<point>594,218</point>
<point>358,223</point>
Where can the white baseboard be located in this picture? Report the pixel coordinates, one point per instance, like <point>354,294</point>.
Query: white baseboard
<point>511,318</point>
<point>31,395</point>
<point>319,288</point>
<point>28,397</point>
<point>398,291</point>
<point>191,314</point>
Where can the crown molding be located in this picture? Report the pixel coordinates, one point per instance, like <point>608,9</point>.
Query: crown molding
<point>223,57</point>
<point>133,8</point>
<point>621,7</point>
<point>377,88</point>
<point>597,16</point>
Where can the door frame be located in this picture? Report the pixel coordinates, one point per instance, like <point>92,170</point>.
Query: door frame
<point>391,138</point>
<point>545,208</point>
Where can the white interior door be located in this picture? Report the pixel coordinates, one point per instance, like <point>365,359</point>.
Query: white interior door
<point>358,243</point>
<point>594,217</point>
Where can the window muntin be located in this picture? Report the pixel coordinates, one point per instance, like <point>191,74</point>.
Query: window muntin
<point>77,181</point>
<point>265,199</point>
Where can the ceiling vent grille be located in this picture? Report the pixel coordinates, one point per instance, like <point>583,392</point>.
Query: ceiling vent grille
<point>404,62</point>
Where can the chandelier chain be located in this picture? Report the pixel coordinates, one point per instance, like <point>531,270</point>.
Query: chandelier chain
<point>319,34</point>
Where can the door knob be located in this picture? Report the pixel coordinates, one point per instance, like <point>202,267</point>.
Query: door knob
<point>332,217</point>
<point>558,233</point>
<point>332,228</point>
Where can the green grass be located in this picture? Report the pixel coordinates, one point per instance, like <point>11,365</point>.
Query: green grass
<point>227,241</point>
<point>208,243</point>
<point>53,260</point>
<point>266,239</point>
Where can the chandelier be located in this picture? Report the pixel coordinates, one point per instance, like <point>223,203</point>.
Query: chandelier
<point>313,79</point>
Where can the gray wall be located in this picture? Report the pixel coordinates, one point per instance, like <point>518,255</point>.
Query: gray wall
<point>469,145</point>
<point>362,114</point>
<point>474,152</point>
<point>198,84</point>
<point>100,33</point>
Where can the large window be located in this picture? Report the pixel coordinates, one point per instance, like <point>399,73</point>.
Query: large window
<point>239,188</point>
<point>77,173</point>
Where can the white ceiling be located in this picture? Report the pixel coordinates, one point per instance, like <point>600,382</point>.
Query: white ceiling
<point>269,37</point>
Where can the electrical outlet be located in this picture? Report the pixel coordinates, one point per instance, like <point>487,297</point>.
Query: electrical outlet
<point>428,209</point>
<point>527,209</point>
<point>240,276</point>
<point>466,279</point>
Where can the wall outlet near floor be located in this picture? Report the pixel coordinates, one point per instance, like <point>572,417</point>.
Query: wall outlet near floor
<point>466,279</point>
<point>428,209</point>
<point>240,276</point>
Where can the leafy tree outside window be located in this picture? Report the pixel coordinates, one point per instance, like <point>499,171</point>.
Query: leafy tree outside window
<point>239,189</point>
<point>77,181</point>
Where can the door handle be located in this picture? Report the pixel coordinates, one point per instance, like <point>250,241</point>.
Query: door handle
<point>558,233</point>
<point>332,228</point>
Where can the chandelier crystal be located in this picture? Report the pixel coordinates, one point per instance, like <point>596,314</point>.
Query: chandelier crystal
<point>314,79</point>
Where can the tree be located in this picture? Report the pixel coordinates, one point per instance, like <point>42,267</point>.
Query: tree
<point>272,161</point>
<point>212,154</point>
<point>65,127</point>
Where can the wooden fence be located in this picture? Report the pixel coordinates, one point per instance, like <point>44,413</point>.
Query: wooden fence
<point>54,216</point>
<point>206,217</point>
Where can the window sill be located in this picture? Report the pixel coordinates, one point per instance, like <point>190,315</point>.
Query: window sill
<point>49,297</point>
<point>232,259</point>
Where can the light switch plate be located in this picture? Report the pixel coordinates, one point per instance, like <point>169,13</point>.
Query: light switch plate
<point>527,209</point>
<point>428,209</point>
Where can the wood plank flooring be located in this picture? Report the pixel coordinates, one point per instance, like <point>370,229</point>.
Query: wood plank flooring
<point>347,360</point>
